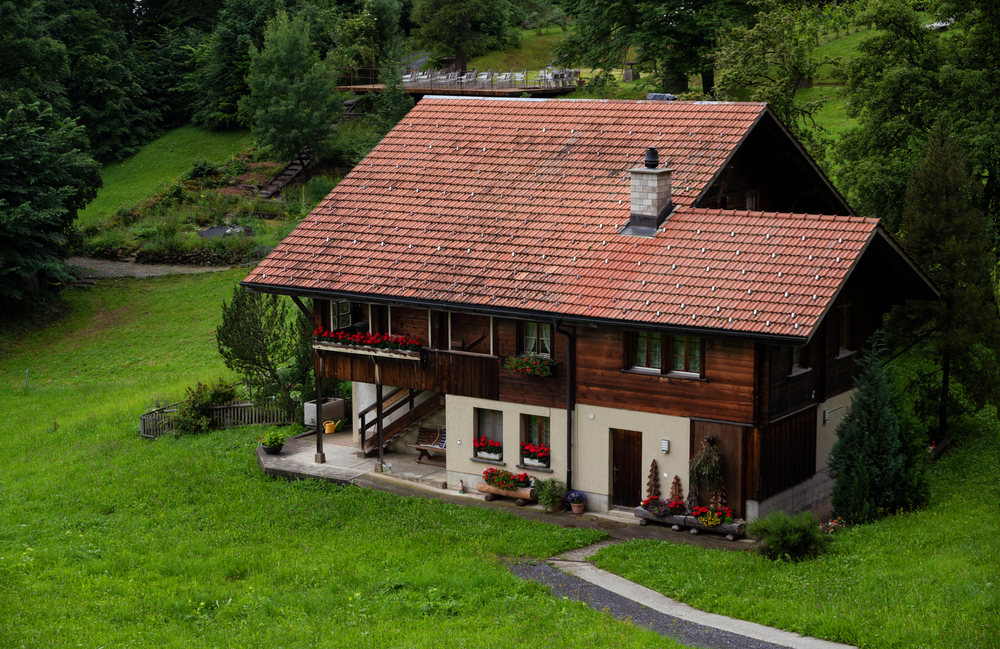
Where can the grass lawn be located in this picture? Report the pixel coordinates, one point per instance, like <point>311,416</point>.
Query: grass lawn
<point>923,579</point>
<point>162,160</point>
<point>533,53</point>
<point>109,540</point>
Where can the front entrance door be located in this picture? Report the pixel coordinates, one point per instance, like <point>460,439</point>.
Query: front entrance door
<point>626,458</point>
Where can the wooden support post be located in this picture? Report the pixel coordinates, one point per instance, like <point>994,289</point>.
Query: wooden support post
<point>320,455</point>
<point>378,424</point>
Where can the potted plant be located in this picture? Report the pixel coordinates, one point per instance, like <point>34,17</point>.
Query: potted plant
<point>272,441</point>
<point>487,449</point>
<point>535,454</point>
<point>577,501</point>
<point>551,493</point>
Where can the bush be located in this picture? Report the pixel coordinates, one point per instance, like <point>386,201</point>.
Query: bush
<point>201,168</point>
<point>550,491</point>
<point>194,413</point>
<point>791,538</point>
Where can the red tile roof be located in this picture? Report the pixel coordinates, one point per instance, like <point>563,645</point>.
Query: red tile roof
<point>511,204</point>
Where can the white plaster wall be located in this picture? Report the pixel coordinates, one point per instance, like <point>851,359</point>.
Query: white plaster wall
<point>592,443</point>
<point>826,434</point>
<point>592,470</point>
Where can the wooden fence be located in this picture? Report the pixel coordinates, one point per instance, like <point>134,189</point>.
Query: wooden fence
<point>157,422</point>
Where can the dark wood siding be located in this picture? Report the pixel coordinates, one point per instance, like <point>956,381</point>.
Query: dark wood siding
<point>411,322</point>
<point>732,443</point>
<point>548,391</point>
<point>787,452</point>
<point>789,392</point>
<point>726,393</point>
<point>469,329</point>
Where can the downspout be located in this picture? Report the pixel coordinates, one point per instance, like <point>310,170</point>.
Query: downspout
<point>570,367</point>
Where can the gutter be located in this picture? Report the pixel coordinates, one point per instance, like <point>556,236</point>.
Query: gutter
<point>630,325</point>
<point>570,405</point>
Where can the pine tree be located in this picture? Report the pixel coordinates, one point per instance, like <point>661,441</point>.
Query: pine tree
<point>653,484</point>
<point>867,461</point>
<point>947,234</point>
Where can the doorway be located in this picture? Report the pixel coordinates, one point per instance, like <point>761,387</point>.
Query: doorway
<point>626,468</point>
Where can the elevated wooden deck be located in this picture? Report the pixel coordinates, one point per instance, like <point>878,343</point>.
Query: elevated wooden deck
<point>466,91</point>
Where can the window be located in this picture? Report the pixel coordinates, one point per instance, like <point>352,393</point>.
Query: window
<point>752,200</point>
<point>800,360</point>
<point>489,425</point>
<point>340,315</point>
<point>536,429</point>
<point>537,338</point>
<point>845,326</point>
<point>686,354</point>
<point>535,444</point>
<point>648,350</point>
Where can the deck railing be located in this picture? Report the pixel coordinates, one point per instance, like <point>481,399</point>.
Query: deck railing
<point>158,422</point>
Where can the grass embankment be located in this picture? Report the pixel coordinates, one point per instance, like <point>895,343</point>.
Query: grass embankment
<point>923,579</point>
<point>110,540</point>
<point>130,181</point>
<point>533,53</point>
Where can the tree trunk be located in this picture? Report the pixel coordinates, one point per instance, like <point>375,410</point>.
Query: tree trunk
<point>461,58</point>
<point>708,81</point>
<point>945,396</point>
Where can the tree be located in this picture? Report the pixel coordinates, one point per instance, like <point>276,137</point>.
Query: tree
<point>767,61</point>
<point>459,28</point>
<point>904,80</point>
<point>292,102</point>
<point>221,62</point>
<point>45,179</point>
<point>943,229</point>
<point>867,461</point>
<point>257,339</point>
<point>673,39</point>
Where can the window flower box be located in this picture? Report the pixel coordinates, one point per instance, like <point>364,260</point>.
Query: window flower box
<point>536,455</point>
<point>375,344</point>
<point>530,364</point>
<point>487,449</point>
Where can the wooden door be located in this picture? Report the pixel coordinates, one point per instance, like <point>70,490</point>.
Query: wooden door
<point>626,459</point>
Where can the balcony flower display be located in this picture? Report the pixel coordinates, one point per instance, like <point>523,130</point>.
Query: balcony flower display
<point>531,364</point>
<point>535,454</point>
<point>374,340</point>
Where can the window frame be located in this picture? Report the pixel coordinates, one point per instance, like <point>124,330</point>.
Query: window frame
<point>845,330</point>
<point>541,433</point>
<point>336,315</point>
<point>801,358</point>
<point>687,373</point>
<point>633,357</point>
<point>496,432</point>
<point>524,337</point>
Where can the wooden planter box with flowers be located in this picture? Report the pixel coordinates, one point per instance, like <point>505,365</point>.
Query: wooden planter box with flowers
<point>674,513</point>
<point>385,345</point>
<point>531,365</point>
<point>500,482</point>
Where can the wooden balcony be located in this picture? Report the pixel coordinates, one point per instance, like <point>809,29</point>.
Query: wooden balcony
<point>439,370</point>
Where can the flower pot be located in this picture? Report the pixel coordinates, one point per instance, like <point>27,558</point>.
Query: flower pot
<point>577,507</point>
<point>272,450</point>
<point>488,456</point>
<point>533,462</point>
<point>557,506</point>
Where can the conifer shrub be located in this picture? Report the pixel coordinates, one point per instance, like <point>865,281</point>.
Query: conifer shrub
<point>194,413</point>
<point>789,538</point>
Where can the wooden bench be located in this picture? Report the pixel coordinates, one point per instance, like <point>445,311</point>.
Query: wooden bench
<point>429,439</point>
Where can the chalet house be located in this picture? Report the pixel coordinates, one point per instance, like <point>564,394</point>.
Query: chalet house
<point>684,269</point>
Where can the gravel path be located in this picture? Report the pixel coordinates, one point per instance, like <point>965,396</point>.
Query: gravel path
<point>105,268</point>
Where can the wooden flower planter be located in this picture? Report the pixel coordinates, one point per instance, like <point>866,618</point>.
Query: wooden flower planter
<point>732,531</point>
<point>521,496</point>
<point>368,351</point>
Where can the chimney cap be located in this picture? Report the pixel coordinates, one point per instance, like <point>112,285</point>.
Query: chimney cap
<point>652,159</point>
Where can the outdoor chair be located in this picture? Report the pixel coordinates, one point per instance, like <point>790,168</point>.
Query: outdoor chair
<point>519,77</point>
<point>484,77</point>
<point>501,80</point>
<point>468,78</point>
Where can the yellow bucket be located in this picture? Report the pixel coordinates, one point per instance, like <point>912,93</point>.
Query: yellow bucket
<point>331,426</point>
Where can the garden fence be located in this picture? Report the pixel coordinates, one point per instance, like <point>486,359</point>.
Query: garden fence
<point>157,422</point>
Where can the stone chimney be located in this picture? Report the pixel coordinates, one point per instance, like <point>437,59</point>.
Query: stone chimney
<point>650,195</point>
